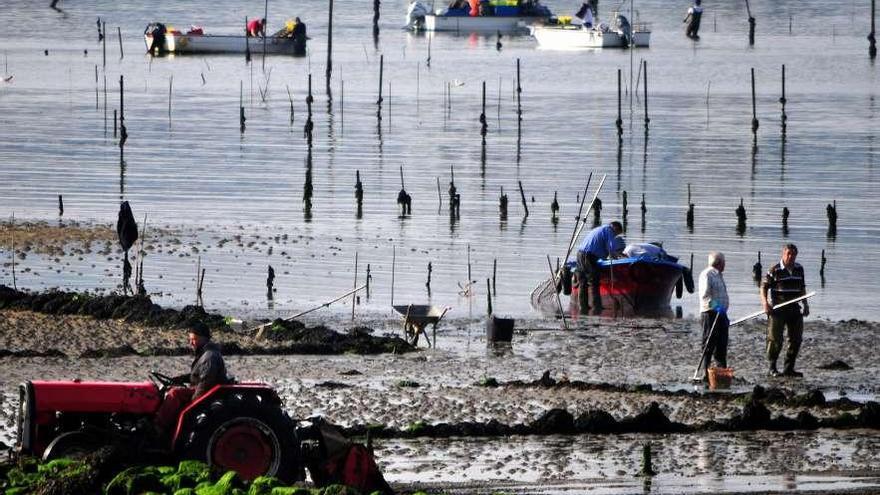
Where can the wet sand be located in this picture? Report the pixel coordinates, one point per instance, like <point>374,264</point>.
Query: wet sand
<point>445,385</point>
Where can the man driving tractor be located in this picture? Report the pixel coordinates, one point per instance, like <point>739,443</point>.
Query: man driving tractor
<point>208,370</point>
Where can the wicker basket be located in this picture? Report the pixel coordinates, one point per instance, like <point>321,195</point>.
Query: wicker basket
<point>720,377</point>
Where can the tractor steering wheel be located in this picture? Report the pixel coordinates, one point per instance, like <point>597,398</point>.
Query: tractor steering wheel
<point>163,381</point>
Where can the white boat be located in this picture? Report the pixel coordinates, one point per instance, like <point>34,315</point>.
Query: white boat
<point>489,24</point>
<point>504,19</point>
<point>568,37</point>
<point>196,42</point>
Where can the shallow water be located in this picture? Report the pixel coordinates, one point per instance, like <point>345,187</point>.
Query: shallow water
<point>712,463</point>
<point>197,171</point>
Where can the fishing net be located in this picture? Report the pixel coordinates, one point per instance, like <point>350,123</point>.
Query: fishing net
<point>543,297</point>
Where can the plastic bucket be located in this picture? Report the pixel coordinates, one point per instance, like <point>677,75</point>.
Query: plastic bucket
<point>720,377</point>
<point>499,330</point>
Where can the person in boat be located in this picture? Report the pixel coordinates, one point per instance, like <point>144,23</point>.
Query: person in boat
<point>784,282</point>
<point>157,46</point>
<point>601,243</point>
<point>486,8</point>
<point>256,27</point>
<point>586,14</point>
<point>299,30</point>
<point>713,312</point>
<point>694,14</point>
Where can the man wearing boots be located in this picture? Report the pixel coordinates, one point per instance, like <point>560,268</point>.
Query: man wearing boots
<point>600,243</point>
<point>784,282</point>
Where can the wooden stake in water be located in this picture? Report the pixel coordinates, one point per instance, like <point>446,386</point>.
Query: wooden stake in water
<point>12,228</point>
<point>646,94</point>
<point>872,38</point>
<point>754,108</point>
<point>751,25</point>
<point>104,44</point>
<point>522,196</point>
<point>518,100</point>
<point>782,99</point>
<point>483,124</point>
<point>119,33</point>
<point>96,86</point>
<point>379,100</point>
<point>619,121</point>
<point>123,132</point>
<point>354,295</point>
<point>329,44</point>
<point>241,117</point>
<point>105,104</point>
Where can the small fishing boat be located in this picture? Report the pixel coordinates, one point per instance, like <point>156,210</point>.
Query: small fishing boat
<point>504,16</point>
<point>195,41</point>
<point>620,34</point>
<point>640,284</point>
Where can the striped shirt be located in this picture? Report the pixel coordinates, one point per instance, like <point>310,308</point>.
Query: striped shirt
<point>784,283</point>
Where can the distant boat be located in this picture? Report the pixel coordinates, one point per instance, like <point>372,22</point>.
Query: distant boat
<point>563,36</point>
<point>509,19</point>
<point>195,41</point>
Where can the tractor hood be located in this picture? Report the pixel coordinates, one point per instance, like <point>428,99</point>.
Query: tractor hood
<point>80,396</point>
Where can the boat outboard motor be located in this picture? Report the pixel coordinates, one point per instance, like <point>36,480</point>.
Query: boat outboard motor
<point>415,15</point>
<point>622,26</point>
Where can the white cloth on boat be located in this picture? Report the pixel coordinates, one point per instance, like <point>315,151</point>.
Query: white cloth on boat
<point>643,249</point>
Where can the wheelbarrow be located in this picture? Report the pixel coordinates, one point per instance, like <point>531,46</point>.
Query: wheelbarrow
<point>416,317</point>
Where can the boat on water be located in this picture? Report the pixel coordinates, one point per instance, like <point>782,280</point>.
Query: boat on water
<point>563,35</point>
<point>505,16</point>
<point>641,284</point>
<point>196,41</point>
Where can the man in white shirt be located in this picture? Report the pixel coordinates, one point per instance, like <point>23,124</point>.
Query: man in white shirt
<point>713,311</point>
<point>692,19</point>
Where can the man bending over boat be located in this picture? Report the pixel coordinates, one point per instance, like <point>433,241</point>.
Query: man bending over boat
<point>256,27</point>
<point>585,13</point>
<point>601,243</point>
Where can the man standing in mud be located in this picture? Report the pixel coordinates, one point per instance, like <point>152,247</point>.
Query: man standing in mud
<point>207,370</point>
<point>601,243</point>
<point>713,311</point>
<point>784,281</point>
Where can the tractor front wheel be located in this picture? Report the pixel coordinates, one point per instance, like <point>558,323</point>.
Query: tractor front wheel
<point>248,437</point>
<point>72,445</point>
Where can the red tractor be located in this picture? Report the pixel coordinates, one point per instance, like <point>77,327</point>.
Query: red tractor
<point>239,426</point>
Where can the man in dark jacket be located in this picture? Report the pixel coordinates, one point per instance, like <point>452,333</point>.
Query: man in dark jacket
<point>207,370</point>
<point>784,282</point>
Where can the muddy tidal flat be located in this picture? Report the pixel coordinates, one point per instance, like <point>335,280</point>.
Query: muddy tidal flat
<point>514,130</point>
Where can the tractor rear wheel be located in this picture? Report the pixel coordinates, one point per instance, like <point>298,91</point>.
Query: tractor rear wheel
<point>244,435</point>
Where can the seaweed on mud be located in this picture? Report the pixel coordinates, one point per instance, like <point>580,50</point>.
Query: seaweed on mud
<point>596,421</point>
<point>133,309</point>
<point>284,336</point>
<point>554,421</point>
<point>293,337</point>
<point>109,472</point>
<point>836,365</point>
<point>651,420</point>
